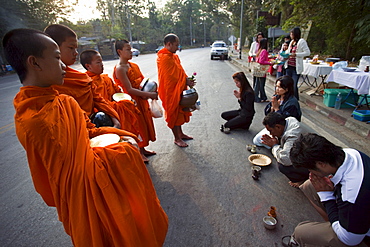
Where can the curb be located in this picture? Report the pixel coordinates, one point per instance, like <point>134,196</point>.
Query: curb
<point>353,125</point>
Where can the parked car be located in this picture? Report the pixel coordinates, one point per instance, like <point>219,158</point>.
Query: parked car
<point>159,48</point>
<point>135,52</point>
<point>219,49</point>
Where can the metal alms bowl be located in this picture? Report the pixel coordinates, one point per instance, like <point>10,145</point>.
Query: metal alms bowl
<point>189,97</point>
<point>147,85</point>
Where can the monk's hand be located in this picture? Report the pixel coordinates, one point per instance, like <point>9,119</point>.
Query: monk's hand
<point>190,82</point>
<point>237,94</point>
<point>321,183</point>
<point>130,140</point>
<point>153,95</point>
<point>269,141</point>
<point>116,123</point>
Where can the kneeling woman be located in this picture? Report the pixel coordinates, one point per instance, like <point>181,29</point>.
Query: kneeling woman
<point>283,102</point>
<point>243,117</point>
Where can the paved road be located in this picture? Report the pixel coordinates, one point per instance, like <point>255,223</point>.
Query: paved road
<point>206,189</point>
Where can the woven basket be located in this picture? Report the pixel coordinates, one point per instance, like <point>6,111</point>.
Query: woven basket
<point>259,160</point>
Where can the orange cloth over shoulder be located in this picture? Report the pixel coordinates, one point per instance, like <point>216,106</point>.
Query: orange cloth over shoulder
<point>146,129</point>
<point>126,109</point>
<point>104,196</point>
<point>79,85</point>
<point>172,81</point>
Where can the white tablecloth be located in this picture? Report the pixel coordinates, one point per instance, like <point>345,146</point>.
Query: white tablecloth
<point>357,80</point>
<point>315,70</point>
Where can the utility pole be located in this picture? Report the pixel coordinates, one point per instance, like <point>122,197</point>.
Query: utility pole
<point>241,28</point>
<point>191,33</point>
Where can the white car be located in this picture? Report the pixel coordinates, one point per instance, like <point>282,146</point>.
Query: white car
<point>135,52</point>
<point>219,49</point>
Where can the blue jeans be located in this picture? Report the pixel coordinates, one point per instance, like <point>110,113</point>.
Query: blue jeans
<point>259,89</point>
<point>291,71</point>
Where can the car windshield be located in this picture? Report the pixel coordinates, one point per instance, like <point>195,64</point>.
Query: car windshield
<point>219,45</point>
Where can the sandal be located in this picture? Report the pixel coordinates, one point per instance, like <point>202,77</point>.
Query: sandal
<point>288,241</point>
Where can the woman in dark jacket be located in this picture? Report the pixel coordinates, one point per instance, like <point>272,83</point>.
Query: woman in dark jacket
<point>283,102</point>
<point>243,117</point>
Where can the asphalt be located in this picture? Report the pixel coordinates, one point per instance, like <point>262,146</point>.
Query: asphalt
<point>315,105</point>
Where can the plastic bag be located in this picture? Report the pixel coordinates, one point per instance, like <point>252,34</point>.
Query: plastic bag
<point>340,65</point>
<point>156,109</point>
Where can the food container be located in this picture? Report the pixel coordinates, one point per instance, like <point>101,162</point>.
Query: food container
<point>269,222</point>
<point>259,159</point>
<point>361,115</point>
<point>189,98</point>
<point>147,85</point>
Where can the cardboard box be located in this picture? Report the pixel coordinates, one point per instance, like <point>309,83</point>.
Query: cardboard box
<point>330,96</point>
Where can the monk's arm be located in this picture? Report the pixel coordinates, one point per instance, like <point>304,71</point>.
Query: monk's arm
<point>121,74</point>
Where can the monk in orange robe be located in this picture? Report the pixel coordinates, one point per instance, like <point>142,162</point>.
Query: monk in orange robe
<point>103,195</point>
<point>92,61</point>
<point>172,82</point>
<point>77,84</point>
<point>129,77</point>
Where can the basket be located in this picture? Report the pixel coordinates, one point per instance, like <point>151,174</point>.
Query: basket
<point>259,160</point>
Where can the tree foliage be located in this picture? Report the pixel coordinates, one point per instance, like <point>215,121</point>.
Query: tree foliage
<point>339,28</point>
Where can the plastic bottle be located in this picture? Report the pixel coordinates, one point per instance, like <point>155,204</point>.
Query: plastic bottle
<point>338,101</point>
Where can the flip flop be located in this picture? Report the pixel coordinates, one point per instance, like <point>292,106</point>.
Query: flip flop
<point>287,241</point>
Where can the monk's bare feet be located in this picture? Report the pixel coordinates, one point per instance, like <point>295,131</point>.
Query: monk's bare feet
<point>145,159</point>
<point>186,137</point>
<point>181,143</point>
<point>148,152</point>
<point>295,184</point>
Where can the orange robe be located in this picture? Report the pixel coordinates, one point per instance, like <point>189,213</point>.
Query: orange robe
<point>147,131</point>
<point>172,81</point>
<point>126,109</point>
<point>104,196</point>
<point>79,85</point>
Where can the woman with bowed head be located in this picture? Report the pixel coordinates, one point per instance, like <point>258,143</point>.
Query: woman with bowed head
<point>298,49</point>
<point>243,117</point>
<point>283,102</point>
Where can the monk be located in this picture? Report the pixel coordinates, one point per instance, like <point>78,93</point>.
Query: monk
<point>128,76</point>
<point>103,195</point>
<point>172,82</point>
<point>77,84</point>
<point>92,61</point>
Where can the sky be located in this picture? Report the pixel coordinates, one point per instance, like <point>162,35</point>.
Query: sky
<point>86,10</point>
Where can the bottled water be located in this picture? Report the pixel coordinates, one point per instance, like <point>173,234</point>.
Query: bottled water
<point>338,101</point>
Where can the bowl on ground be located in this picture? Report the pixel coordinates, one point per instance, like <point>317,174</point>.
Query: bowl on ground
<point>259,160</point>
<point>269,222</point>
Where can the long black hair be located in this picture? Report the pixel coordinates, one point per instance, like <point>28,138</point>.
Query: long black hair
<point>296,33</point>
<point>286,83</point>
<point>245,86</point>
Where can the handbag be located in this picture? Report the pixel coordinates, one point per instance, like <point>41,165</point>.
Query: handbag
<point>260,70</point>
<point>156,109</point>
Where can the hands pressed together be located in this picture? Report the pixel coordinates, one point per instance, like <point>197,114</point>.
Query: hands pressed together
<point>269,141</point>
<point>321,183</point>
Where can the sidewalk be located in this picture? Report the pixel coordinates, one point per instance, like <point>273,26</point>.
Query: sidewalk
<point>315,102</point>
